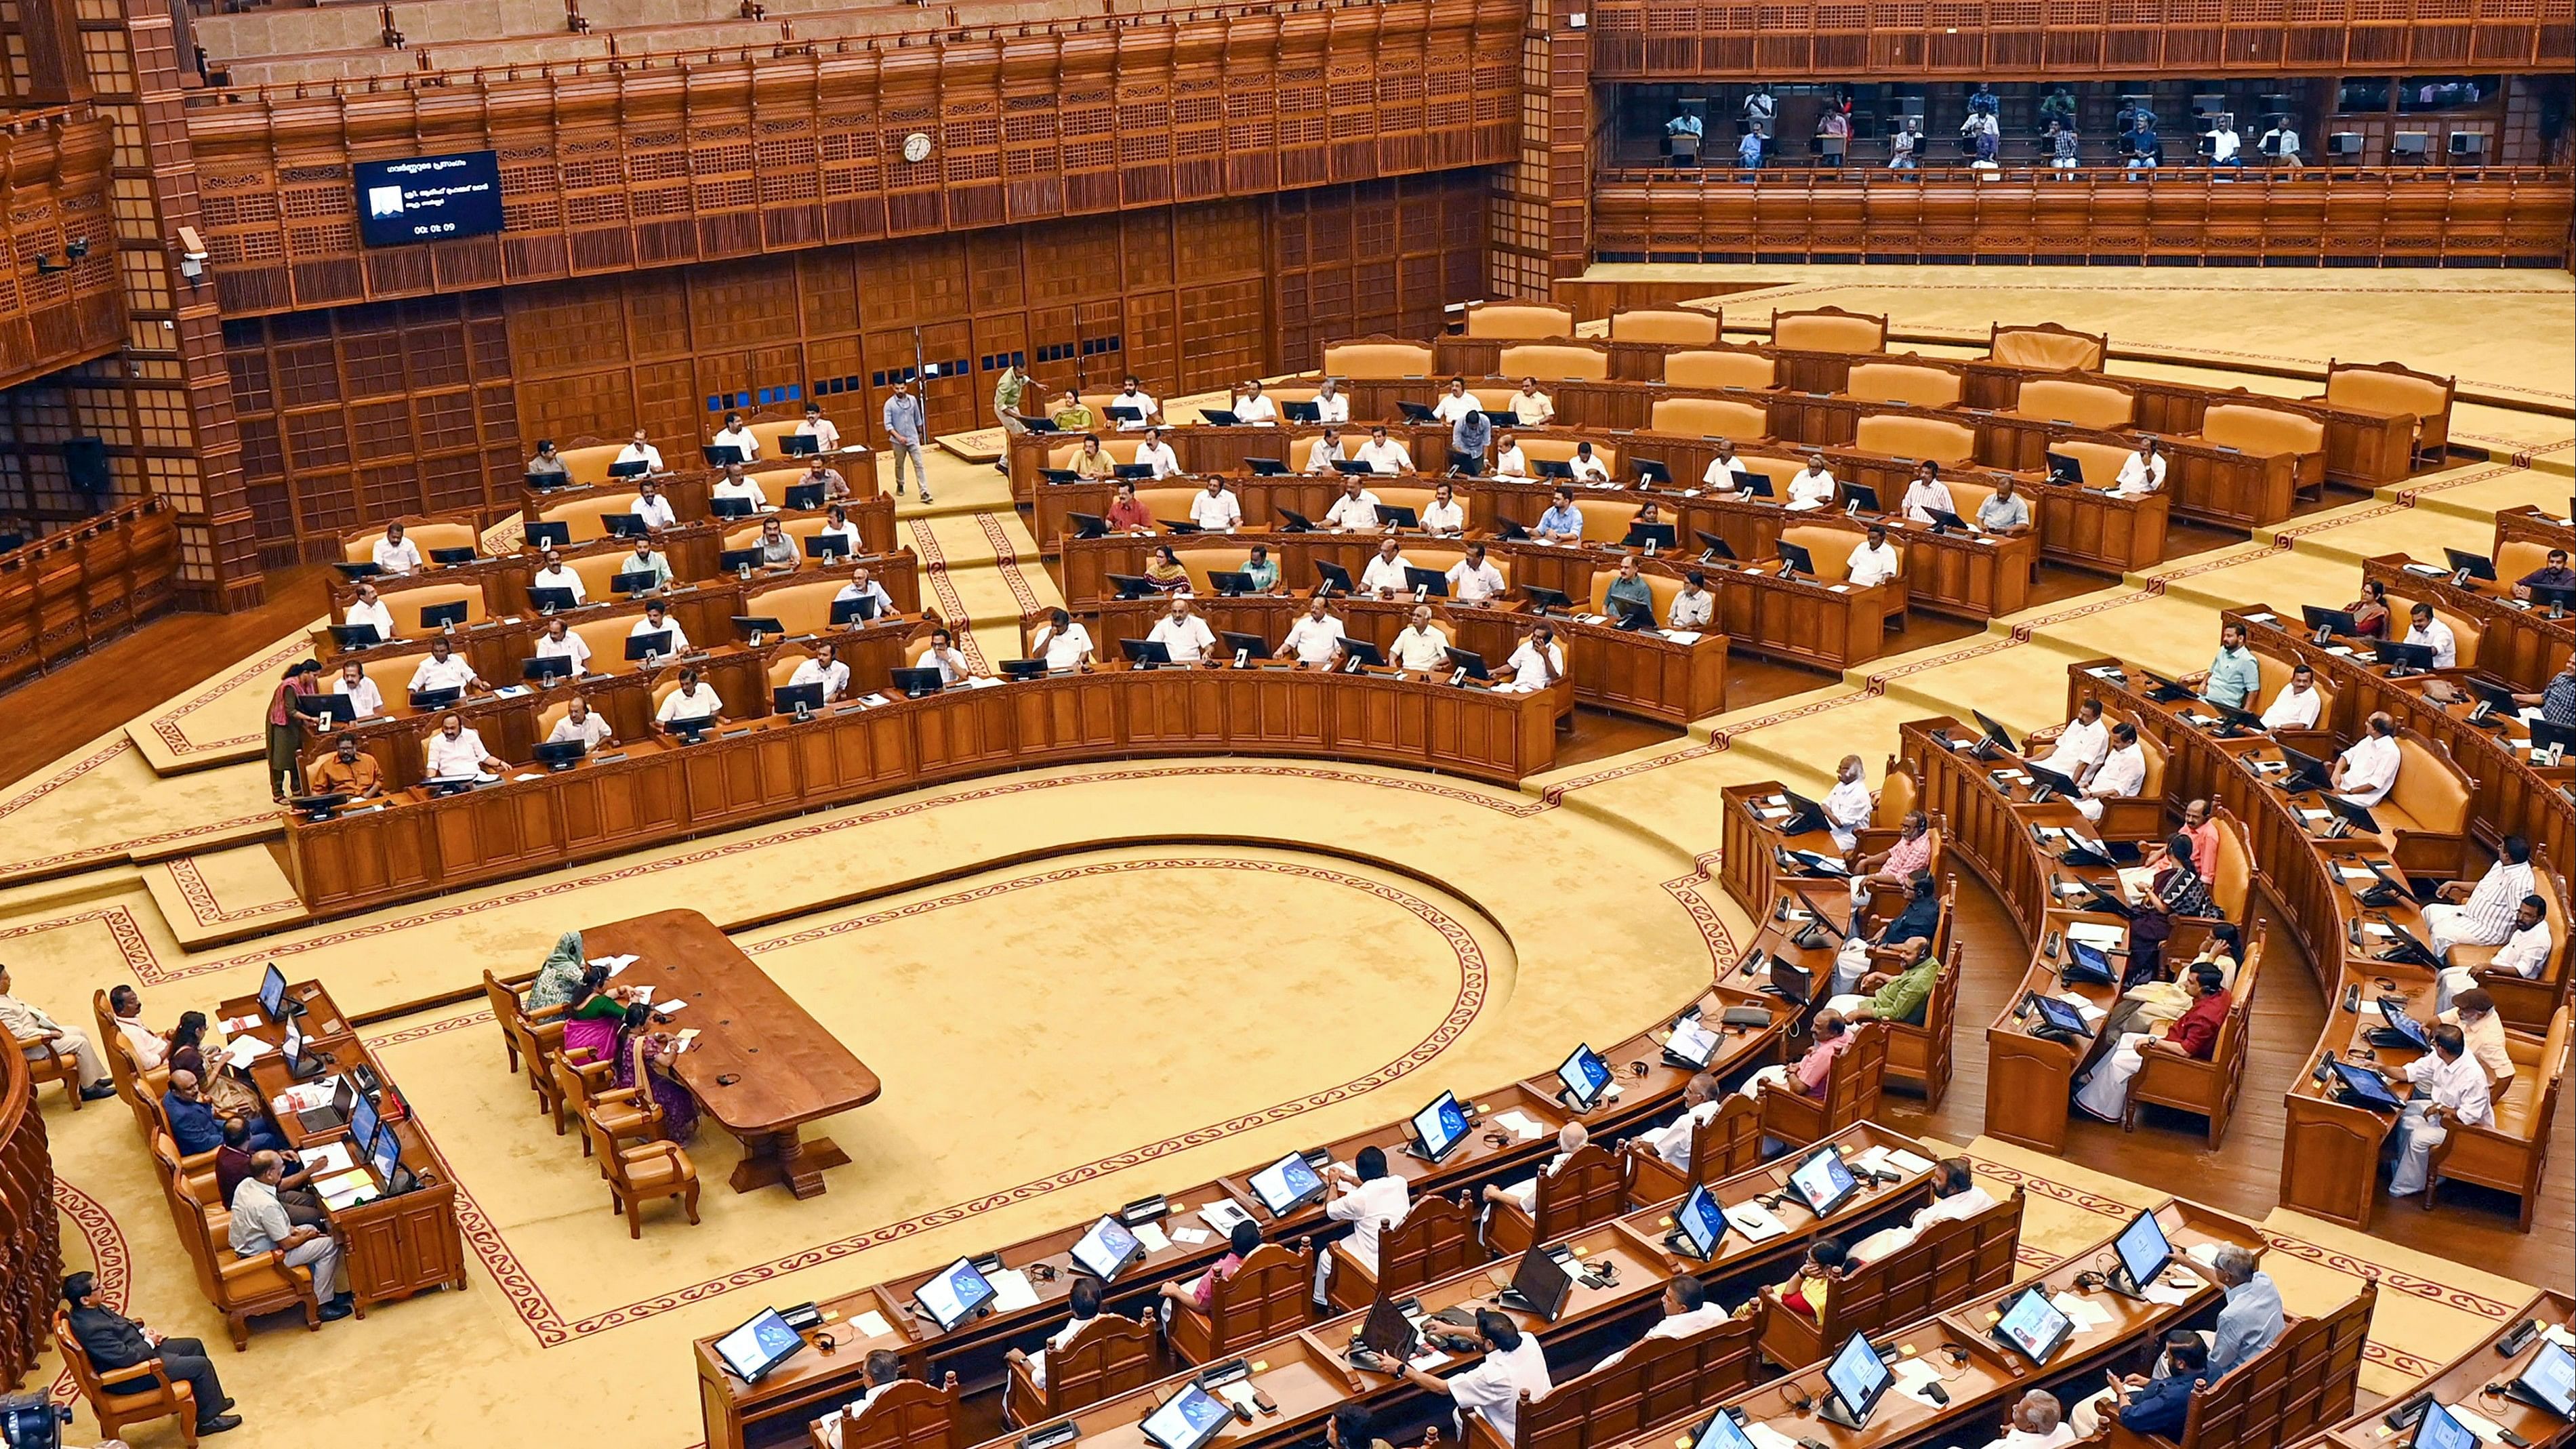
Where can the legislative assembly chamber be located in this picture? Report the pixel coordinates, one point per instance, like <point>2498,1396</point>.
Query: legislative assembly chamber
<point>1287,724</point>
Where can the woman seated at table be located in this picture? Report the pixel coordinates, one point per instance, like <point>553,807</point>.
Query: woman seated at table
<point>1804,1293</point>
<point>598,1011</point>
<point>2370,611</point>
<point>1165,573</point>
<point>645,1055</point>
<point>559,975</point>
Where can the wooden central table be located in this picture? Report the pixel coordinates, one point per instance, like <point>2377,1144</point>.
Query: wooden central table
<point>761,1066</point>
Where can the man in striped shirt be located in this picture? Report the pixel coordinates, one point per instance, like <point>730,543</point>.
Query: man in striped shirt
<point>2480,913</point>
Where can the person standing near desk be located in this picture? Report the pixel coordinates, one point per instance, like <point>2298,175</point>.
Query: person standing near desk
<point>114,1342</point>
<point>286,727</point>
<point>1374,1200</point>
<point>260,1225</point>
<point>2365,773</point>
<point>1008,390</point>
<point>1848,805</point>
<point>2480,913</point>
<point>1513,1364</point>
<point>2450,1087</point>
<point>906,425</point>
<point>350,771</point>
<point>2428,632</point>
<point>1926,493</point>
<point>1470,434</point>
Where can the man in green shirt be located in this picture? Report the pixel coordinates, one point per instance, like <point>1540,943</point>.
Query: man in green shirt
<point>2233,677</point>
<point>1898,998</point>
<point>1006,410</point>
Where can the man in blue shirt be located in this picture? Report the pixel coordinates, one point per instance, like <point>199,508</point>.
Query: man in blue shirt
<point>2160,1406</point>
<point>1563,522</point>
<point>194,1125</point>
<point>1469,436</point>
<point>2251,1319</point>
<point>2234,677</point>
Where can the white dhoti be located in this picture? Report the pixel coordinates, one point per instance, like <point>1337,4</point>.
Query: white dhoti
<point>1850,964</point>
<point>1844,1004</point>
<point>2417,1136</point>
<point>2088,807</point>
<point>2107,1095</point>
<point>1754,1084</point>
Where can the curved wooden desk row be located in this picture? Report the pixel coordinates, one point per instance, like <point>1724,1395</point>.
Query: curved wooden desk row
<point>2329,1164</point>
<point>692,477</point>
<point>2477,1379</point>
<point>655,794</point>
<point>2369,438</point>
<point>2509,794</point>
<point>2535,527</point>
<point>1827,625</point>
<point>586,459</point>
<point>498,584</point>
<point>2504,636</point>
<point>31,1257</point>
<point>1633,671</point>
<point>84,583</point>
<point>2082,527</point>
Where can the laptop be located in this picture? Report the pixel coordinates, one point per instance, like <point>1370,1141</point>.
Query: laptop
<point>1388,1333</point>
<point>1791,982</point>
<point>333,1114</point>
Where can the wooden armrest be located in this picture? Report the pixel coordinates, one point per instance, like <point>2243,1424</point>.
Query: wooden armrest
<point>592,1071</point>
<point>150,1368</point>
<point>644,1151</point>
<point>616,1094</point>
<point>239,1267</point>
<point>542,1013</point>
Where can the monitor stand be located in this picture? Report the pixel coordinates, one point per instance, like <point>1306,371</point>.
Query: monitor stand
<point>1829,1407</point>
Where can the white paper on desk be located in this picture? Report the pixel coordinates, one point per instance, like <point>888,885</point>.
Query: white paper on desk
<point>614,964</point>
<point>1985,538</point>
<point>871,1324</point>
<point>643,995</point>
<point>1907,1162</point>
<point>1191,1237</point>
<point>982,681</point>
<point>1222,1215</point>
<point>871,701</point>
<point>241,1051</point>
<point>667,1009</point>
<point>2073,888</point>
<point>1911,1374</point>
<point>330,1158</point>
<point>2258,618</point>
<point>1151,1236</point>
<point>1763,1436</point>
<point>1520,1125</point>
<point>236,1025</point>
<point>2306,813</point>
<point>1755,1222</point>
<point>522,779</point>
<point>1011,1290</point>
<point>2205,1254</point>
<point>1842,588</point>
<point>2092,1014</point>
<point>2165,1293</point>
<point>2353,872</point>
<point>2385,933</point>
<point>2094,933</point>
<point>2557,1333</point>
<point>2083,1312</point>
<point>1683,636</point>
<point>2487,1430</point>
<point>1874,1159</point>
<point>303,1097</point>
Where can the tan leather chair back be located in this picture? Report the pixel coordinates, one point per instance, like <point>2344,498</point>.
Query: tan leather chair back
<point>1378,360</point>
<point>2430,789</point>
<point>1519,319</point>
<point>1551,361</point>
<point>1901,435</point>
<point>391,673</point>
<point>1117,449</point>
<point>1709,417</point>
<point>2048,347</point>
<point>424,535</point>
<point>2081,404</point>
<point>607,640</point>
<point>406,604</point>
<point>804,607</point>
<point>1829,329</point>
<point>597,571</point>
<point>581,516</point>
<point>2516,557</point>
<point>1561,450</point>
<point>2100,462</point>
<point>2388,387</point>
<point>1207,559</point>
<point>1664,589</point>
<point>1671,326</point>
<point>2262,432</point>
<point>1905,382</point>
<point>1831,547</point>
<point>1719,368</point>
<point>589,465</point>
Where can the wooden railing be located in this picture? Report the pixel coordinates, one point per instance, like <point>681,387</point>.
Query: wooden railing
<point>2070,39</point>
<point>2511,215</point>
<point>85,583</point>
<point>31,1259</point>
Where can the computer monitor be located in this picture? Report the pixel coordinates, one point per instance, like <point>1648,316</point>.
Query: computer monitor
<point>2059,1015</point>
<point>799,445</point>
<point>2398,654</point>
<point>272,993</point>
<point>1192,1417</point>
<point>633,581</point>
<point>1146,652</point>
<point>787,698</point>
<point>1387,1332</point>
<point>1584,1076</point>
<point>384,1154</point>
<point>2475,565</point>
<point>734,560</point>
<point>2549,1380</point>
<point>1250,646</point>
<point>1431,583</point>
<point>854,611</point>
<point>2143,1249</point>
<point>1757,485</point>
<point>2066,470</point>
<point>1333,576</point>
<point>2306,771</point>
<point>355,636</point>
<point>759,1345</point>
<point>1656,537</point>
<point>915,683</point>
<point>2088,963</point>
<point>2439,1429</point>
<point>1362,653</point>
<point>1691,1043</point>
<point>336,708</point>
<point>293,1048</point>
<point>1233,583</point>
<point>954,1294</point>
<point>439,616</point>
<point>1470,661</point>
<point>1540,1285</point>
<point>827,545</point>
<point>2365,1086</point>
<point>547,601</point>
<point>641,646</point>
<point>719,454</point>
<point>1860,498</point>
<point>1722,1432</point>
<point>1794,559</point>
<point>2393,1010</point>
<point>1995,732</point>
<point>1107,1249</point>
<point>1439,1128</point>
<point>1858,1377</point>
<point>1287,1185</point>
<point>1701,1222</point>
<point>1823,1181</point>
<point>2033,1327</point>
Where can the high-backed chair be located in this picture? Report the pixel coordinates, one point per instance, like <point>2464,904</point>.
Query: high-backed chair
<point>1916,384</point>
<point>1922,1054</point>
<point>2509,1155</point>
<point>1378,359</point>
<point>2428,809</point>
<point>424,534</point>
<point>608,1112</point>
<point>1851,1093</point>
<point>2307,1379</point>
<point>2529,1002</point>
<point>1437,1238</point>
<point>2263,432</point>
<point>136,1394</point>
<point>1590,1189</point>
<point>588,464</point>
<point>238,1287</point>
<point>907,1415</point>
<point>2142,815</point>
<point>1654,1382</point>
<point>2169,1079</point>
<point>1669,326</point>
<point>1908,435</point>
<point>641,1173</point>
<point>1662,587</point>
<point>1510,319</point>
<point>525,1035</point>
<point>2047,347</point>
<point>1829,329</point>
<point>1558,450</point>
<point>1953,1261</point>
<point>1721,367</point>
<point>2076,401</point>
<point>1709,417</point>
<point>2388,387</point>
<point>1566,361</point>
<point>1267,1296</point>
<point>1106,1357</point>
<point>48,1065</point>
<point>1727,1143</point>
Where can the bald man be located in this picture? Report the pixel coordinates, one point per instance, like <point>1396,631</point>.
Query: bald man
<point>1569,1141</point>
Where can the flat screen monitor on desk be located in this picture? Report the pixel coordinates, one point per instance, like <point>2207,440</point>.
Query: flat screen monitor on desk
<point>2059,1015</point>
<point>758,1346</point>
<point>384,1154</point>
<point>2398,654</point>
<point>2329,622</point>
<point>1188,1420</point>
<point>2549,1380</point>
<point>363,1121</point>
<point>1823,1181</point>
<point>1287,1185</point>
<point>1795,560</point>
<point>1584,1076</point>
<point>2367,1087</point>
<point>272,994</point>
<point>2307,772</point>
<point>1107,1249</point>
<point>1859,1378</point>
<point>1702,1224</point>
<point>2143,1250</point>
<point>335,708</point>
<point>1722,1433</point>
<point>954,1294</point>
<point>2033,1327</point>
<point>1439,1128</point>
<point>648,646</point>
<point>2440,1430</point>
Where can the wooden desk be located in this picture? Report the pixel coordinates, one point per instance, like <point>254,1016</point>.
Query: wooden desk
<point>773,767</point>
<point>2533,524</point>
<point>2519,643</point>
<point>395,1246</point>
<point>688,486</point>
<point>2466,1380</point>
<point>761,1066</point>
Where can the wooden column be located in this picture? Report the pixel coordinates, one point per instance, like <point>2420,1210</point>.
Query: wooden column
<point>1542,210</point>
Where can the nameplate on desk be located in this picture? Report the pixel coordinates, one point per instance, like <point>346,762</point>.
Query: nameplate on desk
<point>607,756</point>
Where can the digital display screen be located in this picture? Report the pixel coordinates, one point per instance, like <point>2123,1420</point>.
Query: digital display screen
<point>1192,1418</point>
<point>1723,1433</point>
<point>2060,1015</point>
<point>1693,1042</point>
<point>385,1152</point>
<point>272,993</point>
<point>1107,1248</point>
<point>1439,1126</point>
<point>429,198</point>
<point>2143,1249</point>
<point>293,1046</point>
<point>954,1293</point>
<point>758,1346</point>
<point>1857,1375</point>
<point>1584,1075</point>
<point>1285,1184</point>
<point>1823,1181</point>
<point>363,1121</point>
<point>2440,1431</point>
<point>2369,1086</point>
<point>2033,1325</point>
<point>2551,1378</point>
<point>1702,1223</point>
<point>2394,1008</point>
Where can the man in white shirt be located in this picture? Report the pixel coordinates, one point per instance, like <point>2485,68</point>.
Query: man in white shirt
<point>2525,953</point>
<point>737,437</point>
<point>453,752</point>
<point>652,507</point>
<point>1456,402</point>
<point>2081,741</point>
<point>395,554</point>
<point>1384,576</point>
<point>1254,407</point>
<point>2454,1089</point>
<point>368,609</point>
<point>2298,706</point>
<point>581,723</point>
<point>1474,579</point>
<point>2480,913</point>
<point>2143,471</point>
<point>1513,1364</point>
<point>1385,455</point>
<point>1132,394</point>
<point>862,586</point>
<point>737,484</point>
<point>1446,515</point>
<point>1509,460</point>
<point>691,703</point>
<point>2226,148</point>
<point>1702,1097</point>
<point>827,438</point>
<point>1848,806</point>
<point>552,574</point>
<point>1183,635</point>
<point>1688,1312</point>
<point>1420,646</point>
<point>1314,638</point>
<point>1061,642</point>
<point>1083,1302</point>
<point>657,620</point>
<point>1874,562</point>
<point>1325,451</point>
<point>1813,486</point>
<point>1330,405</point>
<point>2038,1422</point>
<point>1215,509</point>
<point>944,656</point>
<point>2120,776</point>
<point>637,450</point>
<point>1532,408</point>
<point>823,667</point>
<point>443,670</point>
<point>1537,663</point>
<point>2365,773</point>
<point>1372,1200</point>
<point>1156,454</point>
<point>1927,493</point>
<point>1956,1197</point>
<point>1695,607</point>
<point>365,700</point>
<point>1726,472</point>
<point>1355,511</point>
<point>2282,142</point>
<point>2433,634</point>
<point>1586,468</point>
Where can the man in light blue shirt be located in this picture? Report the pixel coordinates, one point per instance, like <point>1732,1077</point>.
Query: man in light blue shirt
<point>2233,677</point>
<point>905,423</point>
<point>2250,1319</point>
<point>1563,522</point>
